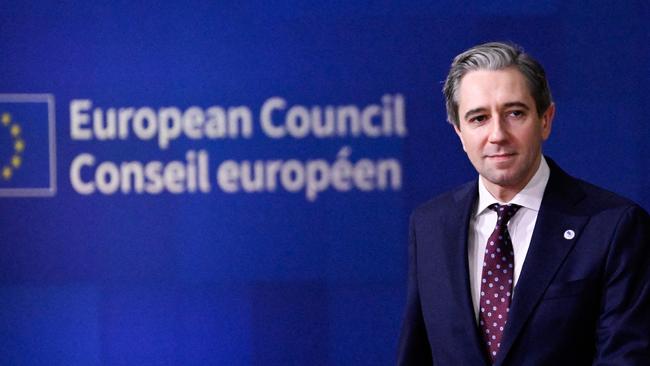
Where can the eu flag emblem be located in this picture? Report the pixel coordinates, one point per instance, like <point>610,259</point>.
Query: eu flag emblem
<point>27,145</point>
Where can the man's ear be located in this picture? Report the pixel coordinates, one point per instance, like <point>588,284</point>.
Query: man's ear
<point>460,136</point>
<point>547,121</point>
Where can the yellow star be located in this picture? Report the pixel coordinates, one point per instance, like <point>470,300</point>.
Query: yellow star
<point>15,130</point>
<point>16,161</point>
<point>19,146</point>
<point>6,173</point>
<point>6,118</point>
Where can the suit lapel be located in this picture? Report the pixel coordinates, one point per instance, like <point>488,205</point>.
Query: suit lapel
<point>456,234</point>
<point>548,249</point>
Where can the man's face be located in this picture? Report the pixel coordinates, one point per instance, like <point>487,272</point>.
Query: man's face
<point>500,129</point>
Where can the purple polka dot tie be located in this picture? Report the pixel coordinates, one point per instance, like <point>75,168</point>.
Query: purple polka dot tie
<point>496,281</point>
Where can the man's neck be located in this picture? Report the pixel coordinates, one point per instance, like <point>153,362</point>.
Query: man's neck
<point>502,194</point>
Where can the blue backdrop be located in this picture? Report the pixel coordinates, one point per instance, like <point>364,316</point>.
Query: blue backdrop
<point>200,264</point>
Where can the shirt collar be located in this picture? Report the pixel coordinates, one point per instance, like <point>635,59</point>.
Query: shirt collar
<point>529,197</point>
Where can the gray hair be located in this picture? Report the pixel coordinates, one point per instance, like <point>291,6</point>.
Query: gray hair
<point>496,56</point>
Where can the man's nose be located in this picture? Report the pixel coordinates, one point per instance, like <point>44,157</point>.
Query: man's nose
<point>498,131</point>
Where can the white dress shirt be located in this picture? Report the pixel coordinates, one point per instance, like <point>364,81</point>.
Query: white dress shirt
<point>520,227</point>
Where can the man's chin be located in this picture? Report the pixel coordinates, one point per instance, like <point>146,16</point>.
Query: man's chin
<point>501,178</point>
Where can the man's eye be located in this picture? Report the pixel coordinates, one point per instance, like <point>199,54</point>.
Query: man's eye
<point>517,114</point>
<point>478,119</point>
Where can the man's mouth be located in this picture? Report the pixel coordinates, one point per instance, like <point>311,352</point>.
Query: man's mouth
<point>500,156</point>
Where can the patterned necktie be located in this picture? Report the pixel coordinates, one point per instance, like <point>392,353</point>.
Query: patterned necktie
<point>496,281</point>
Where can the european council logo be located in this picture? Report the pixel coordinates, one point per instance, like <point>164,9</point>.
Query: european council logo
<point>27,145</point>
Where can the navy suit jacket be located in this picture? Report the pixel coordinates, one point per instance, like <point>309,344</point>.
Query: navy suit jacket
<point>578,301</point>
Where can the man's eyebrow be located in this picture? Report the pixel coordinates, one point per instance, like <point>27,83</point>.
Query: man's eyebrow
<point>506,105</point>
<point>474,111</point>
<point>517,104</point>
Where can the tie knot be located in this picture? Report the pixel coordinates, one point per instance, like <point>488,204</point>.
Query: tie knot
<point>504,212</point>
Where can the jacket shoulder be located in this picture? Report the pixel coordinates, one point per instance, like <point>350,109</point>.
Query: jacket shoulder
<point>598,199</point>
<point>583,197</point>
<point>450,200</point>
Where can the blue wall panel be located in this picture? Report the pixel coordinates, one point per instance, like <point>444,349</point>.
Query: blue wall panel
<point>274,277</point>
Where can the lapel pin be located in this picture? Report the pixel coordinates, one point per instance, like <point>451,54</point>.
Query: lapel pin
<point>569,234</point>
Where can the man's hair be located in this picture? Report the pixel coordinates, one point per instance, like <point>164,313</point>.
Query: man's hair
<point>496,56</point>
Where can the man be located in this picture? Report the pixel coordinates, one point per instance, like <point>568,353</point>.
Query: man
<point>526,265</point>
